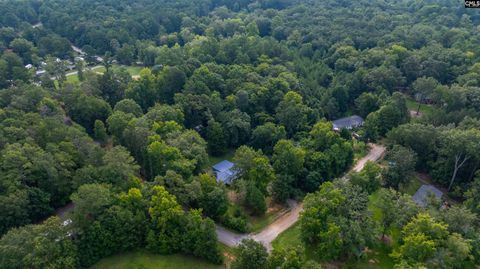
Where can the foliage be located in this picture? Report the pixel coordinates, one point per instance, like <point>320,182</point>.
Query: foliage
<point>401,165</point>
<point>426,241</point>
<point>221,75</point>
<point>46,245</point>
<point>250,255</point>
<point>369,179</point>
<point>336,222</point>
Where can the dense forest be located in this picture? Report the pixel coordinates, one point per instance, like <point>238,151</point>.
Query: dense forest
<point>128,157</point>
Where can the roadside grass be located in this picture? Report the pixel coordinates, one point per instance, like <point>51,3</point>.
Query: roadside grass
<point>360,150</point>
<point>228,254</point>
<point>257,223</point>
<point>145,260</point>
<point>289,238</point>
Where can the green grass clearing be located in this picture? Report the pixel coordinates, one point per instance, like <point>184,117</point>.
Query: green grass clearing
<point>132,70</point>
<point>228,155</point>
<point>145,260</point>
<point>412,105</point>
<point>289,238</point>
<point>73,79</point>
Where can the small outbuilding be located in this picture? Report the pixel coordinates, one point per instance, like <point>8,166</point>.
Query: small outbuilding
<point>420,197</point>
<point>224,171</point>
<point>347,123</point>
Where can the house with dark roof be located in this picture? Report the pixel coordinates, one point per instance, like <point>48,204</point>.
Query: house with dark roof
<point>347,123</point>
<point>422,194</point>
<point>224,171</point>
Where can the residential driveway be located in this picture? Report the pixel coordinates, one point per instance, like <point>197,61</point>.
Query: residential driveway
<point>376,151</point>
<point>267,235</point>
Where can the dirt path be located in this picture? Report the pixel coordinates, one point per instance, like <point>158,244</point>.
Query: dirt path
<point>376,151</point>
<point>267,235</point>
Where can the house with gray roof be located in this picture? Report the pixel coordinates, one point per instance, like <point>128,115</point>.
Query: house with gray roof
<point>224,171</point>
<point>347,123</point>
<point>422,194</point>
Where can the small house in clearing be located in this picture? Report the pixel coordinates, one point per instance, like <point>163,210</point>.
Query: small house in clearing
<point>347,123</point>
<point>420,197</point>
<point>224,171</point>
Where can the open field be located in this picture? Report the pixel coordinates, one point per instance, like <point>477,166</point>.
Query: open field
<point>425,109</point>
<point>144,260</point>
<point>134,71</point>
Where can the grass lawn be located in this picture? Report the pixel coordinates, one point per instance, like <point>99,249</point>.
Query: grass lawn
<point>292,238</point>
<point>289,238</point>
<point>412,105</point>
<point>258,223</point>
<point>73,79</point>
<point>132,70</point>
<point>144,260</point>
<point>212,160</point>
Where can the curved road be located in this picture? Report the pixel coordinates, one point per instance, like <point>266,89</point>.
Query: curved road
<point>267,235</point>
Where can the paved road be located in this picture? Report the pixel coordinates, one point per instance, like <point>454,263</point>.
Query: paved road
<point>229,238</point>
<point>267,235</point>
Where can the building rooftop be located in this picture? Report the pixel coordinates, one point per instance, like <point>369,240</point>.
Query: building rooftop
<point>347,123</point>
<point>223,166</point>
<point>224,171</point>
<point>420,197</point>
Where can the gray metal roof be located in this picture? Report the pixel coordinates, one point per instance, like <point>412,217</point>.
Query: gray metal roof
<point>347,123</point>
<point>224,171</point>
<point>222,166</point>
<point>420,197</point>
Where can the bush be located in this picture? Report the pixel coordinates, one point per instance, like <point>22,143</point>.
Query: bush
<point>255,200</point>
<point>236,221</point>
